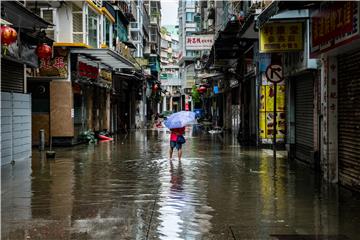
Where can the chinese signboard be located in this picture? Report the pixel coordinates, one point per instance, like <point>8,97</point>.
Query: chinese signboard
<point>266,108</point>
<point>56,66</point>
<point>281,37</point>
<point>199,42</point>
<point>334,24</point>
<point>87,71</point>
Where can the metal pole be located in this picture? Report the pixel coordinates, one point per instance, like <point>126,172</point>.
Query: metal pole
<point>274,122</point>
<point>42,140</point>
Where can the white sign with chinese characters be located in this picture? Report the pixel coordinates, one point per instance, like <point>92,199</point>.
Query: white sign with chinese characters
<point>199,42</point>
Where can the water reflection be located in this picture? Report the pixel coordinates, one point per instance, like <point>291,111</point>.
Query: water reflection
<point>128,189</point>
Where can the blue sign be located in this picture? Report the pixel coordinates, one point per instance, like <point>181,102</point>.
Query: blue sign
<point>216,89</point>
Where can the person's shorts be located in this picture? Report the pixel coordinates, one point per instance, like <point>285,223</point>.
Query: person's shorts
<point>176,145</point>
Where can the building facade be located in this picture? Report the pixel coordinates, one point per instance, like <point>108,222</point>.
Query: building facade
<point>18,55</point>
<point>170,79</point>
<point>92,73</point>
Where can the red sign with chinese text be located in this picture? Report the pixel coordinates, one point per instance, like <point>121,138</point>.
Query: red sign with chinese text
<point>88,71</point>
<point>333,20</point>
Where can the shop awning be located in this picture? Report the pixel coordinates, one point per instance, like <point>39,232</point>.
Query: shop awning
<point>21,17</point>
<point>106,57</point>
<point>276,7</point>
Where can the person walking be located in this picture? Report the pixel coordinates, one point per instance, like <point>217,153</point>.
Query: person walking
<point>176,141</point>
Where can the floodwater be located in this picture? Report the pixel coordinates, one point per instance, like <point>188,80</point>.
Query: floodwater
<point>129,189</point>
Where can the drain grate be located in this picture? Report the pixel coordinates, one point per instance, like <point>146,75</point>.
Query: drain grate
<point>309,237</point>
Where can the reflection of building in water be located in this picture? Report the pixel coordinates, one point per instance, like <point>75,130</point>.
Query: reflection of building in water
<point>17,198</point>
<point>181,206</point>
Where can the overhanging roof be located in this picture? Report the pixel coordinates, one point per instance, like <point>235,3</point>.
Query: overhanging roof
<point>278,6</point>
<point>107,57</point>
<point>21,17</point>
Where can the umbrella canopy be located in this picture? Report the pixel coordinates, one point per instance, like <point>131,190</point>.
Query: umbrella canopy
<point>180,119</point>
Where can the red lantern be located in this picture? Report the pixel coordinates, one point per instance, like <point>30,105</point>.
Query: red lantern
<point>201,89</point>
<point>8,35</point>
<point>43,51</point>
<point>155,87</point>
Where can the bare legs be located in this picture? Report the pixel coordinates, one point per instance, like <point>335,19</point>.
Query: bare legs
<point>171,150</point>
<point>179,153</point>
<point>171,153</point>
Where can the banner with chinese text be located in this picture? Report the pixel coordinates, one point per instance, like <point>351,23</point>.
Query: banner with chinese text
<point>281,37</point>
<point>56,66</point>
<point>199,42</point>
<point>333,25</point>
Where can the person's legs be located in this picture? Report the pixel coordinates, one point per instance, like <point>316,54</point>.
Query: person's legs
<point>172,145</point>
<point>179,148</point>
<point>171,152</point>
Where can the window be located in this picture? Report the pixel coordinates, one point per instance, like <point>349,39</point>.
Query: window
<point>48,14</point>
<point>189,17</point>
<point>135,36</point>
<point>106,37</point>
<point>153,35</point>
<point>78,32</point>
<point>93,29</point>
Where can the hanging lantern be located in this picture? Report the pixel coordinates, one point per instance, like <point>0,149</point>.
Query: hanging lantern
<point>155,87</point>
<point>8,35</point>
<point>43,51</point>
<point>202,89</point>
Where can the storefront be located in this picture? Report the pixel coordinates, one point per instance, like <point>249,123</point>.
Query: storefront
<point>18,54</point>
<point>338,46</point>
<point>302,78</point>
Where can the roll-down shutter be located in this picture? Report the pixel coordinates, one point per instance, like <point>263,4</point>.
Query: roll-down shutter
<point>304,97</point>
<point>12,76</point>
<point>349,119</point>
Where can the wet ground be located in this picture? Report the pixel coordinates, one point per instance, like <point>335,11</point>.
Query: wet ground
<point>129,189</point>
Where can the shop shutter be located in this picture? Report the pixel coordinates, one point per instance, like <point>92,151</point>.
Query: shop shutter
<point>12,76</point>
<point>349,119</point>
<point>304,114</point>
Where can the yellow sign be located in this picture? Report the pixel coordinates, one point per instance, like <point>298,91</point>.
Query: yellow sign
<point>266,112</point>
<point>281,37</point>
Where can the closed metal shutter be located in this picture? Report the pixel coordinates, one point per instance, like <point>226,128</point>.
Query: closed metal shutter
<point>12,76</point>
<point>349,119</point>
<point>304,115</point>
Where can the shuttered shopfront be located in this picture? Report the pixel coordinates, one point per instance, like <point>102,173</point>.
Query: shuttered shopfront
<point>12,76</point>
<point>304,116</point>
<point>349,119</point>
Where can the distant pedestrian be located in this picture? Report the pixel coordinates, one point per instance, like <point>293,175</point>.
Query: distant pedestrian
<point>176,141</point>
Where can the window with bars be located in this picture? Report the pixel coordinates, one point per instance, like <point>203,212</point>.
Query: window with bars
<point>78,31</point>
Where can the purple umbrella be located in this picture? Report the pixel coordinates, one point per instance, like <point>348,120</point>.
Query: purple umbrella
<point>180,119</point>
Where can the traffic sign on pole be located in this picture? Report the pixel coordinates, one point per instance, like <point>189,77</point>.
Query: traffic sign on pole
<point>274,73</point>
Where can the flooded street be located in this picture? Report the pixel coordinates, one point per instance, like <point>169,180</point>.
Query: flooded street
<point>129,189</point>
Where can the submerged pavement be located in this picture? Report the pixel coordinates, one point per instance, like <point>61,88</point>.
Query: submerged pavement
<point>129,189</point>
